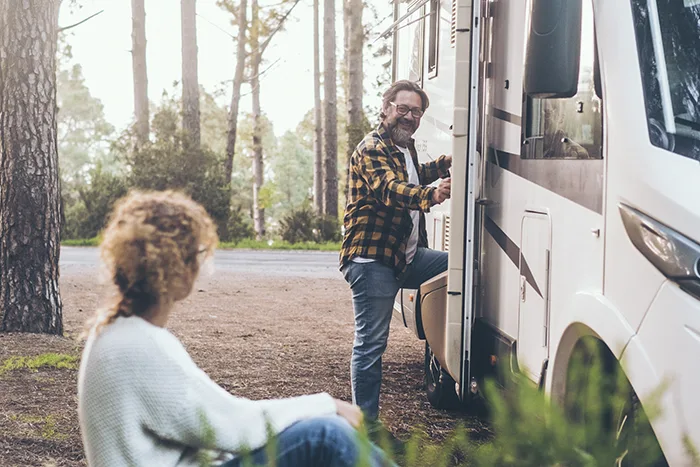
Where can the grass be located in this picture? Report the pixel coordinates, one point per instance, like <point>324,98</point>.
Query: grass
<point>47,360</point>
<point>45,426</point>
<point>94,241</point>
<point>248,243</point>
<point>280,245</point>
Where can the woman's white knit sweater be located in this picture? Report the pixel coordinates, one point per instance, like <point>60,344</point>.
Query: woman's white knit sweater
<point>143,401</point>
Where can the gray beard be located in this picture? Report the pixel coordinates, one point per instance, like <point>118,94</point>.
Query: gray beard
<point>400,136</point>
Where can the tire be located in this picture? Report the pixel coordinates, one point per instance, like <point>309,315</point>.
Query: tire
<point>619,421</point>
<point>439,385</point>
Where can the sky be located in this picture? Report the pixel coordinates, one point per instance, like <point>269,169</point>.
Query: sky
<point>102,47</point>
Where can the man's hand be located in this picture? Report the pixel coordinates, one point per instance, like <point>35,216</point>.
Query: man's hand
<point>349,412</point>
<point>448,162</point>
<point>442,192</point>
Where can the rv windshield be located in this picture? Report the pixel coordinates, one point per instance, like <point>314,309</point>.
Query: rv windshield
<point>668,44</point>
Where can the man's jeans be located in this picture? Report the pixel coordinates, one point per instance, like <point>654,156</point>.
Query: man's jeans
<point>374,288</point>
<point>317,442</point>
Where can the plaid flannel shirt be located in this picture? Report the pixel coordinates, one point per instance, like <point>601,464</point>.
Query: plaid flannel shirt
<point>377,218</point>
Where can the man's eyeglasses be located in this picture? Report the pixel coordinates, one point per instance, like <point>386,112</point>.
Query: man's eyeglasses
<point>402,110</point>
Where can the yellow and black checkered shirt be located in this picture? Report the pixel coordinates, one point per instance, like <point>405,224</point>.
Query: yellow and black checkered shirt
<point>377,218</point>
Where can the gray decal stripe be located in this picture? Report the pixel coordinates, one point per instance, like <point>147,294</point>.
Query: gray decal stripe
<point>506,116</point>
<point>586,191</point>
<point>512,251</point>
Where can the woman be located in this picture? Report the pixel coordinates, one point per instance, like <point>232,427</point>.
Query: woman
<point>141,398</point>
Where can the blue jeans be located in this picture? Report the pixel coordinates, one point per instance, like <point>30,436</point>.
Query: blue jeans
<point>317,442</point>
<point>374,287</point>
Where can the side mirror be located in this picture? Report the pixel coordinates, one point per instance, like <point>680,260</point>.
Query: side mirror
<point>553,51</point>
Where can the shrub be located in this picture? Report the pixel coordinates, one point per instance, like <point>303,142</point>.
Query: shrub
<point>169,162</point>
<point>239,226</point>
<point>86,215</point>
<point>303,225</point>
<point>328,229</point>
<point>298,226</point>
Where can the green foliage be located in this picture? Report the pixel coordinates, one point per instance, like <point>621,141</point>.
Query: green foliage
<point>305,137</point>
<point>86,215</point>
<point>94,241</point>
<point>292,166</point>
<point>205,456</point>
<point>601,422</point>
<point>252,244</point>
<point>214,122</point>
<point>90,179</point>
<point>240,226</point>
<point>83,132</point>
<point>47,360</point>
<point>303,225</point>
<point>298,226</point>
<point>328,229</point>
<point>169,163</point>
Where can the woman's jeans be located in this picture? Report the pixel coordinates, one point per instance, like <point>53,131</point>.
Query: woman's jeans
<point>317,442</point>
<point>374,287</point>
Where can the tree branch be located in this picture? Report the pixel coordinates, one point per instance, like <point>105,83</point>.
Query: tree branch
<point>79,22</point>
<point>249,78</point>
<point>246,80</point>
<point>264,45</point>
<point>217,27</point>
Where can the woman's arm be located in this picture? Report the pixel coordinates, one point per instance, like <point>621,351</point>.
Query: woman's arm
<point>181,403</point>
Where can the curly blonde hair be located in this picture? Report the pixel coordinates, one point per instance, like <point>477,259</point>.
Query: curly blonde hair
<point>152,249</point>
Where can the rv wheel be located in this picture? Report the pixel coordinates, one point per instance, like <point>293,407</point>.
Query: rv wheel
<point>439,385</point>
<point>607,407</point>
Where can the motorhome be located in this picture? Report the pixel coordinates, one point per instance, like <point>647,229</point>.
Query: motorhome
<point>574,127</point>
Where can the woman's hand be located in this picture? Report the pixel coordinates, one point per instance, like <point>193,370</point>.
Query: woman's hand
<point>349,412</point>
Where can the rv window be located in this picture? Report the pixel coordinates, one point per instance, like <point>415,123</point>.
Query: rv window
<point>568,128</point>
<point>408,43</point>
<point>433,32</point>
<point>668,46</point>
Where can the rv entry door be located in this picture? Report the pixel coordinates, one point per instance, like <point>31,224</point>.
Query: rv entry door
<point>461,264</point>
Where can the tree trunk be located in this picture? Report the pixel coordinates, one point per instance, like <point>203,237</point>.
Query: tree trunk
<point>138,58</point>
<point>236,95</point>
<point>355,39</point>
<point>29,185</point>
<point>318,122</point>
<point>346,39</point>
<point>190,81</point>
<point>258,210</point>
<point>330,205</point>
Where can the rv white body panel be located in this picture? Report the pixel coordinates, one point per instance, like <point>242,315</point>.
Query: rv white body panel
<point>555,262</point>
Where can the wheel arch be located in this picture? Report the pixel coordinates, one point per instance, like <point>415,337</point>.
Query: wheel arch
<point>593,316</point>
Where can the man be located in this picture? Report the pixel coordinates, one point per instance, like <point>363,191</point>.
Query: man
<point>385,243</point>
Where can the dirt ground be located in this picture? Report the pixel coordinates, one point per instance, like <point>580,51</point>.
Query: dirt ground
<point>257,336</point>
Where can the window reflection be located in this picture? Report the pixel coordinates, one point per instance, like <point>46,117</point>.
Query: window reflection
<point>409,56</point>
<point>668,45</point>
<point>569,128</point>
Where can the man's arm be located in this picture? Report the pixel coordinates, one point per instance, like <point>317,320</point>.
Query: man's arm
<point>431,171</point>
<point>379,172</point>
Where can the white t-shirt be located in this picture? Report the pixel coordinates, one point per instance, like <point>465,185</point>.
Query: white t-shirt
<point>412,244</point>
